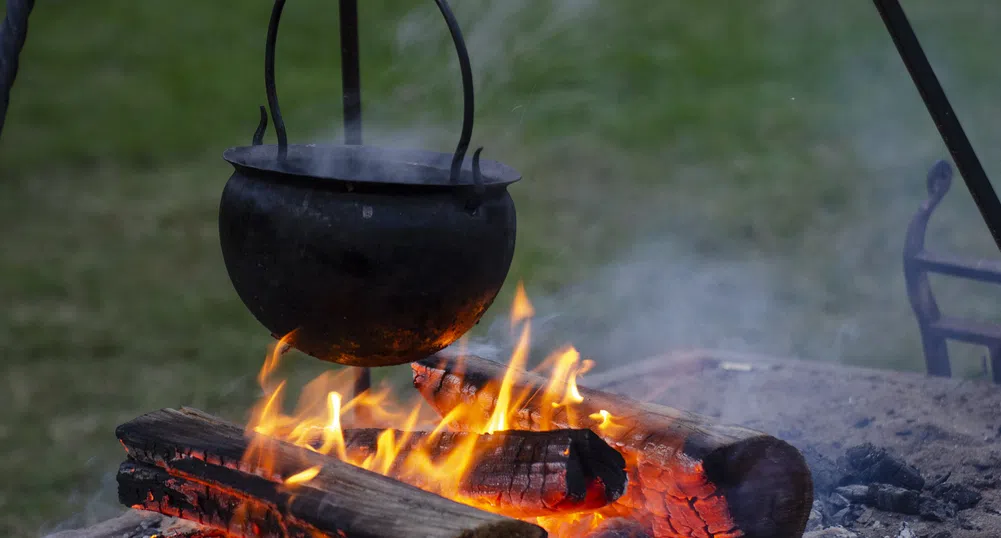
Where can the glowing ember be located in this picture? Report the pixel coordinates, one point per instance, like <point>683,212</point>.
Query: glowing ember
<point>322,410</point>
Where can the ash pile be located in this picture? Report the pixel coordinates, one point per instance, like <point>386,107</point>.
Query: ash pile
<point>869,487</point>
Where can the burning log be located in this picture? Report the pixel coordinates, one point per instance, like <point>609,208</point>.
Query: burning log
<point>525,473</point>
<point>190,465</point>
<point>688,475</point>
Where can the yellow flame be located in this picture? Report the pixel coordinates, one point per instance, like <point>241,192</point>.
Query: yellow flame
<point>302,476</point>
<point>603,416</point>
<point>499,418</point>
<point>522,308</point>
<point>333,434</point>
<point>325,409</point>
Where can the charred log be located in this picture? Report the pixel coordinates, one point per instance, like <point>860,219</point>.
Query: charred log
<point>524,472</point>
<point>190,465</point>
<point>688,475</point>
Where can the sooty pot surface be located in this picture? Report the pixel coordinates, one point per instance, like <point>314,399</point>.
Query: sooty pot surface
<point>371,256</point>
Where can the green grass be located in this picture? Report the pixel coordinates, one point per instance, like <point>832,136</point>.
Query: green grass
<point>734,174</point>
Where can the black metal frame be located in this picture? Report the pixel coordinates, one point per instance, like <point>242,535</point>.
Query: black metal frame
<point>350,71</point>
<point>13,34</point>
<point>917,261</point>
<point>14,30</point>
<point>935,328</point>
<point>942,114</point>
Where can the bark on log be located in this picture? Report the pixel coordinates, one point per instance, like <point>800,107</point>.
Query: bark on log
<point>526,473</point>
<point>189,464</point>
<point>688,476</point>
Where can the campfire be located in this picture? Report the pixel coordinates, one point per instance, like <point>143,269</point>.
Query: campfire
<point>350,253</point>
<point>482,449</point>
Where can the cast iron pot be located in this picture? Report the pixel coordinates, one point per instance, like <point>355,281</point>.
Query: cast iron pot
<point>362,255</point>
<point>371,257</point>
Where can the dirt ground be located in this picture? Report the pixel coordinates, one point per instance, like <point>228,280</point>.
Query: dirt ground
<point>941,426</point>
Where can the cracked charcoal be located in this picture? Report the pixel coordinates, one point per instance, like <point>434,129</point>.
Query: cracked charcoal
<point>932,509</point>
<point>867,464</point>
<point>893,499</point>
<point>962,496</point>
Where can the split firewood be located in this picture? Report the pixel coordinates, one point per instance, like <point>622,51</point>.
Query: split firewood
<point>688,475</point>
<point>525,473</point>
<point>187,464</point>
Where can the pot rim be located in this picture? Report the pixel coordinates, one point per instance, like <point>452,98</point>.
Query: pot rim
<point>366,164</point>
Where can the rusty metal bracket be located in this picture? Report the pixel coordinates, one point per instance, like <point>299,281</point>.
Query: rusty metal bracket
<point>935,328</point>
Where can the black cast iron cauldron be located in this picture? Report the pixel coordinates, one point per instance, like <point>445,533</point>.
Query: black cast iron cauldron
<point>367,256</point>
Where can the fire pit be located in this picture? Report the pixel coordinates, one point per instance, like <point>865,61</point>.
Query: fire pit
<point>891,454</point>
<point>485,449</point>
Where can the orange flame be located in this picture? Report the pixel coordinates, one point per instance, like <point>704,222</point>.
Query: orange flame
<point>323,408</point>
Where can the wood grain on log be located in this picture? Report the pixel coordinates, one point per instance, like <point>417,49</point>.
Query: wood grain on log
<point>189,464</point>
<point>689,477</point>
<point>526,473</point>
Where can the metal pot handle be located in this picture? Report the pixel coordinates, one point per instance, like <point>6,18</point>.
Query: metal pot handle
<point>467,97</point>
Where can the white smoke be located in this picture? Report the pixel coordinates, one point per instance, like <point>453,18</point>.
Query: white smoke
<point>837,292</point>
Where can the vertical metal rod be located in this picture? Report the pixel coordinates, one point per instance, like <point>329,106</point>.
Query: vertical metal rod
<point>351,98</point>
<point>350,71</point>
<point>942,114</point>
<point>269,79</point>
<point>363,382</point>
<point>13,34</point>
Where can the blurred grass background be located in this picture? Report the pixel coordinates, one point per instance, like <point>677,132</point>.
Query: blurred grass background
<point>780,135</point>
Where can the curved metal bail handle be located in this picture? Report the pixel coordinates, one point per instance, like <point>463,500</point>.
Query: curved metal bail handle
<point>942,114</point>
<point>467,89</point>
<point>468,102</point>
<point>269,84</point>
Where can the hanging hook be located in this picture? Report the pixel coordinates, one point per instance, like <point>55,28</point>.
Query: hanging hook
<point>262,127</point>
<point>269,79</point>
<point>350,72</point>
<point>468,108</point>
<point>476,198</point>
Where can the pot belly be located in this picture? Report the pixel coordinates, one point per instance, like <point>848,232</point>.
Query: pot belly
<point>364,278</point>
